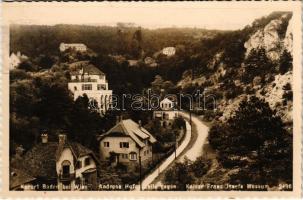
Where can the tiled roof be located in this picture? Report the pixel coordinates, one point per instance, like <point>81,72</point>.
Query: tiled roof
<point>84,67</point>
<point>130,128</point>
<point>18,177</point>
<point>40,161</point>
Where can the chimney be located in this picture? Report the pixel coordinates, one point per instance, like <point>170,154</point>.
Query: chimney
<point>140,123</point>
<point>62,139</point>
<point>44,138</point>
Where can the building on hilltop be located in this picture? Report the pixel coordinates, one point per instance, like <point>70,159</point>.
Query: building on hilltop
<point>75,46</point>
<point>61,165</point>
<point>127,142</point>
<point>169,51</point>
<point>16,59</point>
<point>167,113</point>
<point>89,80</point>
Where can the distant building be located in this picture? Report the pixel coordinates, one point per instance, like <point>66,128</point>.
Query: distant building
<point>150,61</point>
<point>127,142</point>
<point>75,46</point>
<point>16,59</point>
<point>166,114</point>
<point>89,80</point>
<point>133,63</point>
<point>61,165</point>
<point>169,51</point>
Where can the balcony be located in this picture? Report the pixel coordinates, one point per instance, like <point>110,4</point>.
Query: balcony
<point>67,177</point>
<point>83,80</point>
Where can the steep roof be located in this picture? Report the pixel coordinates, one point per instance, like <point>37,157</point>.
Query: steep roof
<point>42,157</point>
<point>92,70</point>
<point>166,100</point>
<point>130,128</point>
<point>19,177</point>
<point>85,67</point>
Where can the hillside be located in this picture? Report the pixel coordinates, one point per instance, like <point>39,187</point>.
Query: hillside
<point>260,64</point>
<point>101,39</point>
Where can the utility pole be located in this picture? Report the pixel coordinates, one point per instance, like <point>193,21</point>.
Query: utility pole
<point>190,121</point>
<point>140,171</point>
<point>175,144</point>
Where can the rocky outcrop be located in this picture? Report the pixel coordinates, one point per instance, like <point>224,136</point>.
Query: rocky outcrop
<point>274,94</point>
<point>270,39</point>
<point>288,40</point>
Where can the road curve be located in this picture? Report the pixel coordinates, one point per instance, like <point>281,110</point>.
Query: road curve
<point>202,132</point>
<point>192,153</point>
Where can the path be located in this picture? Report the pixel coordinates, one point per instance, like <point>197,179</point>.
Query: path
<point>151,177</point>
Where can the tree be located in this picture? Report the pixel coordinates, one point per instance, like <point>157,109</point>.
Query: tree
<point>256,64</point>
<point>255,138</point>
<point>285,64</point>
<point>179,175</point>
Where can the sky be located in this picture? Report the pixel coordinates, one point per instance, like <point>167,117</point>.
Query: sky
<point>147,15</point>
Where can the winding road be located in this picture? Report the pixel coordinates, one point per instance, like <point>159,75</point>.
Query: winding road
<point>202,132</point>
<point>191,147</point>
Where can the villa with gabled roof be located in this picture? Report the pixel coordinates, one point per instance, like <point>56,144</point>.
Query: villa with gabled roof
<point>62,165</point>
<point>127,142</point>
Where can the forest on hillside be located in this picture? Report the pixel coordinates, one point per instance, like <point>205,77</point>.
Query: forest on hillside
<point>252,86</point>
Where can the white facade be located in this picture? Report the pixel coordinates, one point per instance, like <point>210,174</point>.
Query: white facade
<point>124,154</point>
<point>166,114</point>
<point>68,172</point>
<point>14,61</point>
<point>75,46</point>
<point>129,142</point>
<point>93,83</point>
<point>169,51</point>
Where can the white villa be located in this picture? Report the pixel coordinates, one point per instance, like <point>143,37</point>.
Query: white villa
<point>167,113</point>
<point>89,80</point>
<point>16,59</point>
<point>76,46</point>
<point>126,142</point>
<point>169,51</point>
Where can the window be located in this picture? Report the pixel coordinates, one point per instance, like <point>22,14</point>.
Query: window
<point>78,164</point>
<point>133,156</point>
<point>87,161</point>
<point>65,170</point>
<point>106,144</point>
<point>124,145</point>
<point>75,88</point>
<point>87,87</point>
<point>101,87</point>
<point>124,156</point>
<point>144,153</point>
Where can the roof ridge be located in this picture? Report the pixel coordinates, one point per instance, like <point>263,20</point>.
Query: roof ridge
<point>123,126</point>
